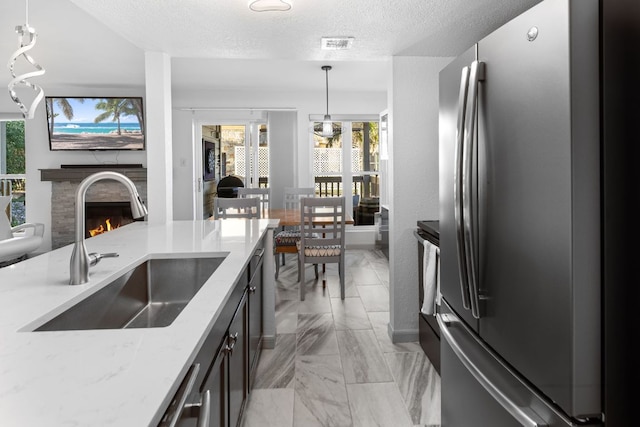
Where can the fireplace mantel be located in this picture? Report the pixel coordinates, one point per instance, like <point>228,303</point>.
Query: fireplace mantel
<point>77,174</point>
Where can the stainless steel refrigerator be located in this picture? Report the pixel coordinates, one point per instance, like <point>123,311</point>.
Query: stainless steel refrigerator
<point>526,220</point>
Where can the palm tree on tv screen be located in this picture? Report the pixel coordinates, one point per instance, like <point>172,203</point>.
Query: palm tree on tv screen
<point>64,106</point>
<point>133,107</point>
<point>115,108</point>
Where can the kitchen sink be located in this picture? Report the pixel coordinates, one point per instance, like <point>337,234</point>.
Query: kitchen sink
<point>150,295</point>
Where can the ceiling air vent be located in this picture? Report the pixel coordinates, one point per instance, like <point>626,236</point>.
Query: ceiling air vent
<point>337,43</point>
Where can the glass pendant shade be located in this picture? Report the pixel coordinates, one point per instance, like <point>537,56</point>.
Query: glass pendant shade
<point>327,126</point>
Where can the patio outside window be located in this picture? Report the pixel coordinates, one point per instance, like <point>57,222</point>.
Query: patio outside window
<point>334,164</point>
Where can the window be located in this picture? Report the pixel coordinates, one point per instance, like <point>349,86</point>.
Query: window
<point>12,169</point>
<point>350,156</point>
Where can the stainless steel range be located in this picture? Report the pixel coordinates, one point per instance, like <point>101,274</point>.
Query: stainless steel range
<point>429,232</point>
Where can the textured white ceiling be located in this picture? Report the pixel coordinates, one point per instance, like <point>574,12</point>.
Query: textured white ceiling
<point>228,29</point>
<point>99,43</point>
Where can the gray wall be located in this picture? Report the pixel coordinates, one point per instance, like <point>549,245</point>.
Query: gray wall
<point>413,180</point>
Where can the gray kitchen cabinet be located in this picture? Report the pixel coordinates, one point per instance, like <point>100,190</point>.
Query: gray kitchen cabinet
<point>255,312</point>
<point>238,355</point>
<point>217,384</point>
<point>215,389</point>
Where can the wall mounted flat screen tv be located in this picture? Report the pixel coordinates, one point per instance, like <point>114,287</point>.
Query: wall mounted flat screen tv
<point>105,123</point>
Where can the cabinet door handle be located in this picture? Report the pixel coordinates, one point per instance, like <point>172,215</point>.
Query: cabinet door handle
<point>231,343</point>
<point>252,289</point>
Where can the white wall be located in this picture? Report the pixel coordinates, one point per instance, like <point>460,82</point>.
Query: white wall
<point>282,130</point>
<point>38,156</point>
<point>413,180</point>
<point>240,104</point>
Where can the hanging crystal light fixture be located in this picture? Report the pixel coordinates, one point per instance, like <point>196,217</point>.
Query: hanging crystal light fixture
<point>25,31</point>
<point>327,125</point>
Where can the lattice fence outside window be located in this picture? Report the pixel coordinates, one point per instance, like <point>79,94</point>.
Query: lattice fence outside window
<point>263,161</point>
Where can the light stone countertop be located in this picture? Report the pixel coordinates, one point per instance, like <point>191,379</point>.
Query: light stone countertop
<point>119,377</point>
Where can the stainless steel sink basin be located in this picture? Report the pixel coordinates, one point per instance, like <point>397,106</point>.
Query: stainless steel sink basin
<point>151,295</point>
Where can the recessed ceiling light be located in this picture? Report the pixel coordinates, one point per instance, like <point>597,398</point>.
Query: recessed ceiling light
<point>337,43</point>
<point>269,5</point>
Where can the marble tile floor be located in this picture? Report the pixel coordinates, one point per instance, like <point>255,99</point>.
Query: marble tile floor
<point>333,363</point>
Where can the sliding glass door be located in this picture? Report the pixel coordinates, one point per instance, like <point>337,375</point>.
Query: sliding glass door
<point>229,151</point>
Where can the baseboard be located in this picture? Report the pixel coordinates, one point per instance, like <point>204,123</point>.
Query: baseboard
<point>269,341</point>
<point>361,237</point>
<point>365,246</point>
<point>406,335</point>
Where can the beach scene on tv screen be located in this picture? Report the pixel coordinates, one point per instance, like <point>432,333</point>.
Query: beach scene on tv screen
<point>95,123</point>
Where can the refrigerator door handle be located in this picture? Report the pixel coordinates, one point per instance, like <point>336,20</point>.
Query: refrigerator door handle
<point>458,188</point>
<point>476,74</point>
<point>524,416</point>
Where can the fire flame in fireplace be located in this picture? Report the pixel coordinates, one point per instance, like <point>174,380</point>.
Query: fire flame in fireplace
<point>103,228</point>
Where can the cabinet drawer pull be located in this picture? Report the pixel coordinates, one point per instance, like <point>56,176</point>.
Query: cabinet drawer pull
<point>203,409</point>
<point>205,414</point>
<point>180,401</point>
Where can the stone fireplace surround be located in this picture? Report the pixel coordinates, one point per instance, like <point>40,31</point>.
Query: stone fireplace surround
<point>64,183</point>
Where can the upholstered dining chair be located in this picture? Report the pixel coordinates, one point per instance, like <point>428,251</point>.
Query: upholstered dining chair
<point>261,194</point>
<point>322,236</point>
<point>224,208</point>
<point>285,241</point>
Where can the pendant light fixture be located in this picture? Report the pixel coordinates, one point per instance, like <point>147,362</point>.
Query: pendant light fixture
<point>21,79</point>
<point>270,5</point>
<point>327,125</point>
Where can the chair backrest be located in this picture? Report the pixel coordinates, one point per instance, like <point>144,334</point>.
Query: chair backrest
<point>292,196</point>
<point>323,220</point>
<point>224,207</point>
<point>261,194</point>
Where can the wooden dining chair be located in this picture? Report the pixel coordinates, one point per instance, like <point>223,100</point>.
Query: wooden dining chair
<point>285,241</point>
<point>224,208</point>
<point>321,243</point>
<point>261,194</point>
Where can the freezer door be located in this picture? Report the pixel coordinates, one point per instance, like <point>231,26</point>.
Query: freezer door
<point>538,193</point>
<point>452,98</point>
<point>477,389</point>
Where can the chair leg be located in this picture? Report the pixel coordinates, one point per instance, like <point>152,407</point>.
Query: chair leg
<point>301,279</point>
<point>277,267</point>
<point>282,256</point>
<point>341,273</point>
<point>315,268</point>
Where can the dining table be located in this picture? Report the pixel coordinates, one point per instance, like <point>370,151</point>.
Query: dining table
<point>291,217</point>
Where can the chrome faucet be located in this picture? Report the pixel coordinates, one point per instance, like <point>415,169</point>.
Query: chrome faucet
<point>80,259</point>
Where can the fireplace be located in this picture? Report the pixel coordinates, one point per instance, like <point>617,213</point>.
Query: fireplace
<point>64,184</point>
<point>101,217</point>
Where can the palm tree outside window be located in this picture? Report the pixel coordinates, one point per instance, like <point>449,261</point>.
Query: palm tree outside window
<point>12,169</point>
